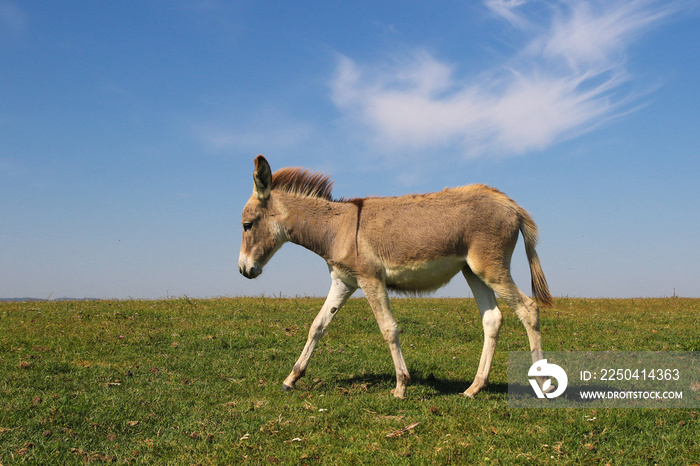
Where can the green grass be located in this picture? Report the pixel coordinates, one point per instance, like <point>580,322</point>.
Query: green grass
<point>186,381</point>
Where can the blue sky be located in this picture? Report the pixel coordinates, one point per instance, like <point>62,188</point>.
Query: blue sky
<point>128,131</point>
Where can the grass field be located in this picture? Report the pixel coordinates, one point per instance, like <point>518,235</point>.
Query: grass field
<point>186,381</point>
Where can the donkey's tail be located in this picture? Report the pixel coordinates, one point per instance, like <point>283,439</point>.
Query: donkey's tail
<point>540,289</point>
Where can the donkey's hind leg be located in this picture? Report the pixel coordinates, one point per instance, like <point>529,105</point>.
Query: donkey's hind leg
<point>337,296</point>
<point>525,308</point>
<point>528,312</point>
<point>491,320</point>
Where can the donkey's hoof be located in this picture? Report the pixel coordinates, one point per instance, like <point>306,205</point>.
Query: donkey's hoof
<point>286,388</point>
<point>472,391</point>
<point>477,385</point>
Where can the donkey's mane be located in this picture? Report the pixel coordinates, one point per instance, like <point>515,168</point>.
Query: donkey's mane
<point>302,182</point>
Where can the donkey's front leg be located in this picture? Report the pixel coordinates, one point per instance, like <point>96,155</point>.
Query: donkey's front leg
<point>337,296</point>
<point>379,301</point>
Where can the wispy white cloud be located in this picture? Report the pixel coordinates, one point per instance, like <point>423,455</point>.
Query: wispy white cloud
<point>507,10</point>
<point>569,76</point>
<point>592,34</point>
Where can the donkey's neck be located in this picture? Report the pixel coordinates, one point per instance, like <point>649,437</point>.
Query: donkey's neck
<point>313,223</point>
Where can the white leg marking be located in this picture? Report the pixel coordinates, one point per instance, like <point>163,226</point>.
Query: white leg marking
<point>337,296</point>
<point>528,312</point>
<point>491,320</point>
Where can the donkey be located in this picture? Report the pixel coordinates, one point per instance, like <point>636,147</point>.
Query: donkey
<point>411,244</point>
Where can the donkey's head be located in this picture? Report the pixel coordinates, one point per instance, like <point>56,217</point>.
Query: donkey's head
<point>262,234</point>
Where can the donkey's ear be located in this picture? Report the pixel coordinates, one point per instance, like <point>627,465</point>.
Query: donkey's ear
<point>262,178</point>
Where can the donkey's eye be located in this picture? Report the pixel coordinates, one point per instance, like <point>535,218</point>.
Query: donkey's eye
<point>247,226</point>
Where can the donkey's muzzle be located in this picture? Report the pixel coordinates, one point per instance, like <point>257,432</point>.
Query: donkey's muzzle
<point>251,272</point>
<point>247,267</point>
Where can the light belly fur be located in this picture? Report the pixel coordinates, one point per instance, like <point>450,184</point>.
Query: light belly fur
<point>423,276</point>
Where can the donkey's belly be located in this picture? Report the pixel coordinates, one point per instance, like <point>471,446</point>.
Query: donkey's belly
<point>423,276</point>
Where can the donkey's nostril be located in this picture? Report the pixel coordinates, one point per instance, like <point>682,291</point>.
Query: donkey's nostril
<point>251,273</point>
<point>247,273</point>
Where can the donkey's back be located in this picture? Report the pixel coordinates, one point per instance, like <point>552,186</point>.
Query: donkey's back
<point>422,241</point>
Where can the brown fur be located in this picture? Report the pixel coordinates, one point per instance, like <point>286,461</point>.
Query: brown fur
<point>411,244</point>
